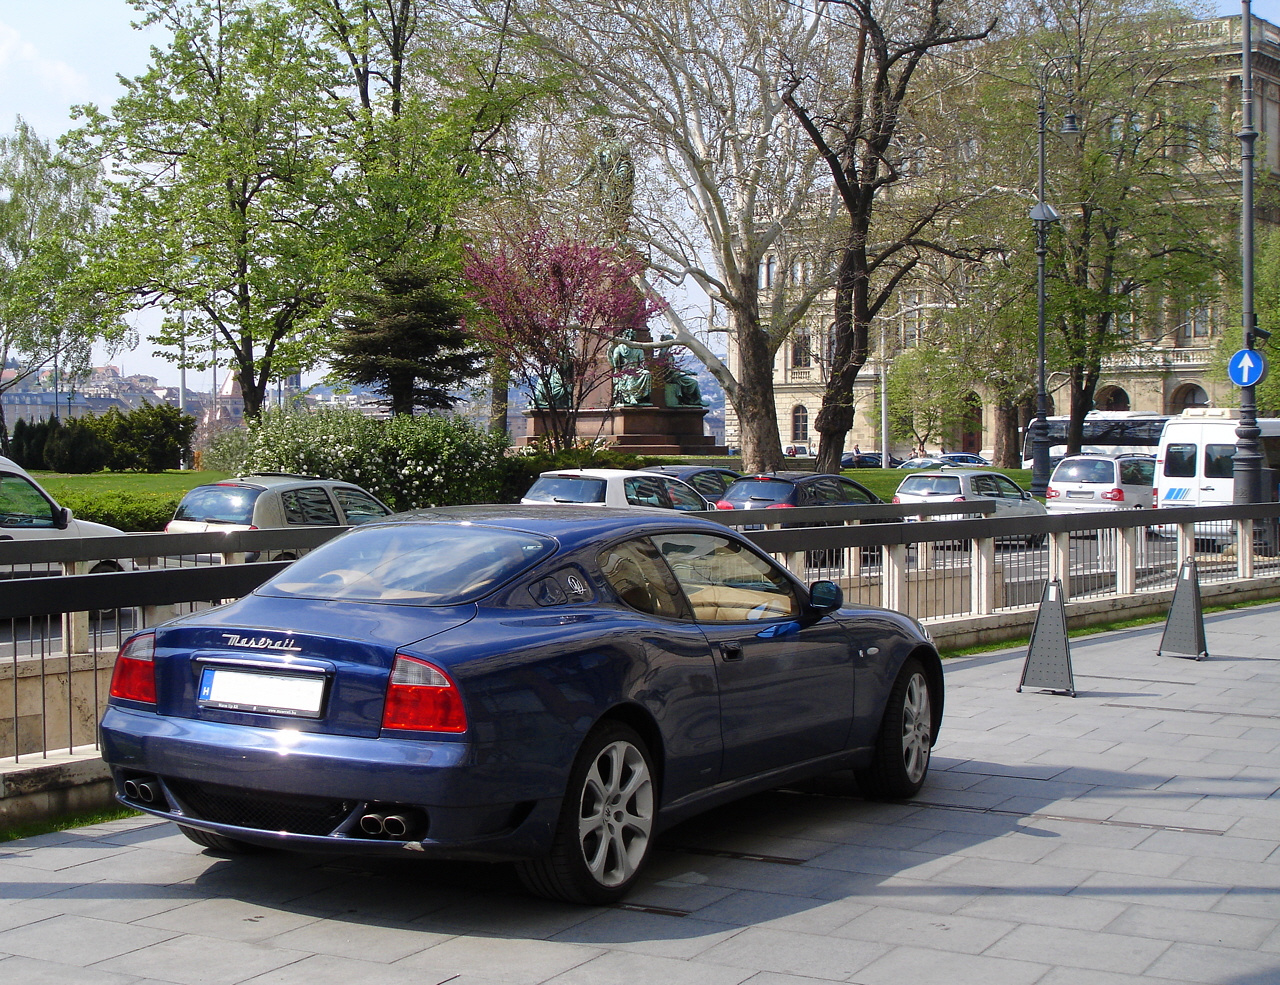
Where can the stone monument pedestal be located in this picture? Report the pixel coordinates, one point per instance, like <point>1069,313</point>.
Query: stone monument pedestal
<point>638,429</point>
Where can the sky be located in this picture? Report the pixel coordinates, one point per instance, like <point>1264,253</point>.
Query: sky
<point>58,53</point>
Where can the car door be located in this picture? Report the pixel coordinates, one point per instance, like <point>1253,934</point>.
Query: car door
<point>785,678</point>
<point>1009,496</point>
<point>358,506</point>
<point>683,496</point>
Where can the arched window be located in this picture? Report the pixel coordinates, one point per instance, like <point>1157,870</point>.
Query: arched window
<point>799,423</point>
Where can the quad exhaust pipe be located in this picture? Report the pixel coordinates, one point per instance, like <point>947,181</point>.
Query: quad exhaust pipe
<point>141,790</point>
<point>377,824</point>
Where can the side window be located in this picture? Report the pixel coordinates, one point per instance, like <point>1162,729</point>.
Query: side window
<point>1006,487</point>
<point>1137,472</point>
<point>1217,461</point>
<point>821,492</point>
<point>683,497</point>
<point>645,490</point>
<point>21,504</point>
<point>637,574</point>
<point>984,485</point>
<point>849,493</point>
<point>358,505</point>
<point>724,581</point>
<point>1180,461</point>
<point>310,505</point>
<point>710,484</point>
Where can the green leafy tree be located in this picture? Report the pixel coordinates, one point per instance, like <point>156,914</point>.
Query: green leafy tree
<point>1137,190</point>
<point>230,200</point>
<point>47,312</point>
<point>408,342</point>
<point>925,389</point>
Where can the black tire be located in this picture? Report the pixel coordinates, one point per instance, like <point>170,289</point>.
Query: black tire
<point>104,567</point>
<point>901,758</point>
<point>218,843</point>
<point>606,822</point>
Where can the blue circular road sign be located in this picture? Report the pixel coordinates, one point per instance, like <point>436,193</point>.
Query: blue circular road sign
<point>1247,367</point>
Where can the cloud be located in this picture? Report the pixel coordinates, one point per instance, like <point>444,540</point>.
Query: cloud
<point>21,60</point>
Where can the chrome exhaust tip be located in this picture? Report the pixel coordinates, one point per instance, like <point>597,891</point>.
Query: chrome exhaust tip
<point>395,825</point>
<point>373,824</point>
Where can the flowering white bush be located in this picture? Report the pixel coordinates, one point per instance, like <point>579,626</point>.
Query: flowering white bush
<point>409,462</point>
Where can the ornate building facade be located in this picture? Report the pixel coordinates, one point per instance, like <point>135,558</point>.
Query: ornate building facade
<point>1168,368</point>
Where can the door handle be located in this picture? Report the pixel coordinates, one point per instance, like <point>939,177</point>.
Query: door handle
<point>731,650</point>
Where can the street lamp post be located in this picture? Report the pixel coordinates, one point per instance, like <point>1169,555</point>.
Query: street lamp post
<point>1043,216</point>
<point>1247,461</point>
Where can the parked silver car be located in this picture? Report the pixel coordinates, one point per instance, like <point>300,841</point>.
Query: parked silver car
<point>968,485</point>
<point>1089,483</point>
<point>274,499</point>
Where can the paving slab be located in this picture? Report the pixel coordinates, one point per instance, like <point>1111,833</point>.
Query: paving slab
<point>1128,835</point>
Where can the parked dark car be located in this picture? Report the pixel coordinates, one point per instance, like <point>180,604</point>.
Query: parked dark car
<point>774,490</point>
<point>710,480</point>
<point>546,684</point>
<point>866,460</point>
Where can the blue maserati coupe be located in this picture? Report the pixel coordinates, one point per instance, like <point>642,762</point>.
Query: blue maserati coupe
<point>549,685</point>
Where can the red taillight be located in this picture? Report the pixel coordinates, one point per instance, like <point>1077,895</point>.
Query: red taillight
<point>1051,493</point>
<point>780,506</point>
<point>896,499</point>
<point>958,499</point>
<point>724,504</point>
<point>1114,495</point>
<point>422,698</point>
<point>134,676</point>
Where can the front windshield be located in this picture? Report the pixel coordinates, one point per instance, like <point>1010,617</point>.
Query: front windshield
<point>411,564</point>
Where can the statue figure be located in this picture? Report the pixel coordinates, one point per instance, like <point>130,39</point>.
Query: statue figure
<point>632,380</point>
<point>615,182</point>
<point>555,389</point>
<point>683,389</point>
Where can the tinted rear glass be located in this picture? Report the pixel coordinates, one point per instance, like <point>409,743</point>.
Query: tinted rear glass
<point>218,504</point>
<point>566,489</point>
<point>1085,470</point>
<point>411,564</point>
<point>758,493</point>
<point>930,485</point>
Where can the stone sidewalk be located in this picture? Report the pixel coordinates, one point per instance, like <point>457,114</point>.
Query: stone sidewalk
<point>1129,834</point>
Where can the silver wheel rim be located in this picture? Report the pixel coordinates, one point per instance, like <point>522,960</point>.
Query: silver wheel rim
<point>917,728</point>
<point>615,815</point>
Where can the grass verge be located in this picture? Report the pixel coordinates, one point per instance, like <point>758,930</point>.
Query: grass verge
<point>65,822</point>
<point>1108,627</point>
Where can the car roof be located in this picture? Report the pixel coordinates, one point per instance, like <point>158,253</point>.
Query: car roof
<point>570,523</point>
<point>597,473</point>
<point>787,476</point>
<point>960,472</point>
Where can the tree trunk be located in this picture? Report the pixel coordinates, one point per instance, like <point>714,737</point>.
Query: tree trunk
<point>849,354</point>
<point>1007,449</point>
<point>754,403</point>
<point>500,377</point>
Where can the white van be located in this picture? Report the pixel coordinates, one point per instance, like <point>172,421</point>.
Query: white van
<point>1194,462</point>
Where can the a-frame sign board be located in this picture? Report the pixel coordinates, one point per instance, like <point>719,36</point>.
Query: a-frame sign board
<point>1184,628</point>
<point>1048,663</point>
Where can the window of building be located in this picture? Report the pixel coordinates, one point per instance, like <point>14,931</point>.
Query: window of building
<point>1196,324</point>
<point>800,423</point>
<point>801,349</point>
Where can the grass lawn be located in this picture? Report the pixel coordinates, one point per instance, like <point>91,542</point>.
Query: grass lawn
<point>884,482</point>
<point>158,484</point>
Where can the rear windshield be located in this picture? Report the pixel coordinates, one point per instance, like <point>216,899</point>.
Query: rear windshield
<point>218,504</point>
<point>758,493</point>
<point>1085,470</point>
<point>411,564</point>
<point>566,489</point>
<point>930,485</point>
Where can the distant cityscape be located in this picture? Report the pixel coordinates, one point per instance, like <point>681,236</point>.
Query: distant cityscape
<point>43,395</point>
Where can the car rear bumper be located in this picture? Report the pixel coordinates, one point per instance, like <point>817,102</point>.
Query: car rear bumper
<point>310,791</point>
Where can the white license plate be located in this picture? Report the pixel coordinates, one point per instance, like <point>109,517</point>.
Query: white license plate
<point>295,695</point>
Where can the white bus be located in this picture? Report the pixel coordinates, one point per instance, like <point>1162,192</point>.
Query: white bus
<point>1106,432</point>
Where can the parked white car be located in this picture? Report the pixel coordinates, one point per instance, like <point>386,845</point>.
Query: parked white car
<point>1091,483</point>
<point>615,487</point>
<point>27,512</point>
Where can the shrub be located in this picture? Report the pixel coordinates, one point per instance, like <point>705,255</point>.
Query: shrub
<point>409,462</point>
<point>131,512</point>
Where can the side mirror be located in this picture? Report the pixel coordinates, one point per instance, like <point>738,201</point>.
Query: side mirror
<point>1025,494</point>
<point>825,596</point>
<point>61,517</point>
